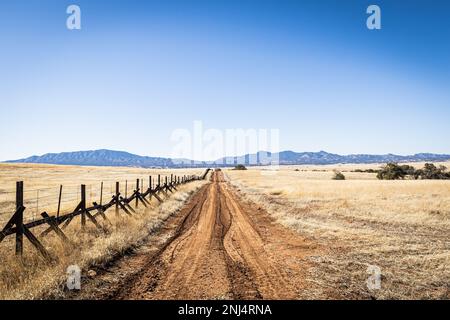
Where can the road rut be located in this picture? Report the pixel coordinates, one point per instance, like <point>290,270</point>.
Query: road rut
<point>217,246</point>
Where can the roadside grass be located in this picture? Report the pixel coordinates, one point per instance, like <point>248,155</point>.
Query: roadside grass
<point>403,227</point>
<point>33,278</point>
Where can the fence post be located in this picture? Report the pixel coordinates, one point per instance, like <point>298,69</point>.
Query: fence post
<point>117,197</point>
<point>137,192</point>
<point>171,179</point>
<point>19,218</point>
<point>126,188</point>
<point>101,193</point>
<point>150,183</point>
<point>59,201</point>
<point>83,206</point>
<point>159,180</point>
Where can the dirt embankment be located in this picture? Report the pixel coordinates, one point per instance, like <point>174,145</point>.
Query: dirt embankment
<point>217,246</point>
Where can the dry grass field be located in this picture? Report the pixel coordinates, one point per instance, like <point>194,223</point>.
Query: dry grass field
<point>32,278</point>
<point>42,183</point>
<point>403,227</point>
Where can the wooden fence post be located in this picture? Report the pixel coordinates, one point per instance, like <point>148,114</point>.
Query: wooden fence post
<point>117,197</point>
<point>101,193</point>
<point>59,201</point>
<point>83,206</point>
<point>19,218</point>
<point>137,193</point>
<point>159,180</point>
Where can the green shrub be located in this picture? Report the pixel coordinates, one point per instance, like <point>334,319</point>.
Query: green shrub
<point>240,167</point>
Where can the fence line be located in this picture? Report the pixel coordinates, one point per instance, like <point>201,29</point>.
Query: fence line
<point>20,228</point>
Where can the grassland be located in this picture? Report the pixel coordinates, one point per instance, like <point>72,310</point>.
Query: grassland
<point>32,278</point>
<point>403,227</point>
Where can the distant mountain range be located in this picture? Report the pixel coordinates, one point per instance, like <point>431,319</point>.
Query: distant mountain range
<point>125,159</point>
<point>98,158</point>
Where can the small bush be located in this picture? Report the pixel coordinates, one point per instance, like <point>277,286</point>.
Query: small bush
<point>338,175</point>
<point>240,167</point>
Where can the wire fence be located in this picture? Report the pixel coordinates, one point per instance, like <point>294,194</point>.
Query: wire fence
<point>24,216</point>
<point>63,198</point>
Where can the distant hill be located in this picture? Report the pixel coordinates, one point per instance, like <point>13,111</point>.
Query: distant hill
<point>322,157</point>
<point>98,158</point>
<point>125,159</point>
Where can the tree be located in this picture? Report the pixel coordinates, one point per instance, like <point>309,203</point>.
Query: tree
<point>392,171</point>
<point>430,171</point>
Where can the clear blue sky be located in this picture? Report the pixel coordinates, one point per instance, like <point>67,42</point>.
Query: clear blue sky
<point>140,69</point>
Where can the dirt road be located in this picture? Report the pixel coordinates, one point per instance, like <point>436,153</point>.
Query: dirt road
<point>217,246</point>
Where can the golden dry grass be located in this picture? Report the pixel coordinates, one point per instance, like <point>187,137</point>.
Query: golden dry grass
<point>32,278</point>
<point>42,182</point>
<point>401,226</point>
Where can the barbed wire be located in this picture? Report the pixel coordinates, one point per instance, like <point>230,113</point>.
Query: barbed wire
<point>131,183</point>
<point>7,192</point>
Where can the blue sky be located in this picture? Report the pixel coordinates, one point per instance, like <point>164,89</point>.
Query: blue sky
<point>140,69</point>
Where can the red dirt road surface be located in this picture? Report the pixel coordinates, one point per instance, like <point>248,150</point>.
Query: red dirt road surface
<point>217,247</point>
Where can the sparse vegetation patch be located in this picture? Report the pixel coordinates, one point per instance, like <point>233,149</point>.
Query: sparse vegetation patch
<point>393,171</point>
<point>338,175</point>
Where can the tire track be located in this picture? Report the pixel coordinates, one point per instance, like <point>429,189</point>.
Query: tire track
<point>218,246</point>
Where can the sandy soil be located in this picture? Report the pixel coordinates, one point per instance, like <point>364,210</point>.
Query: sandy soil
<point>217,247</point>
